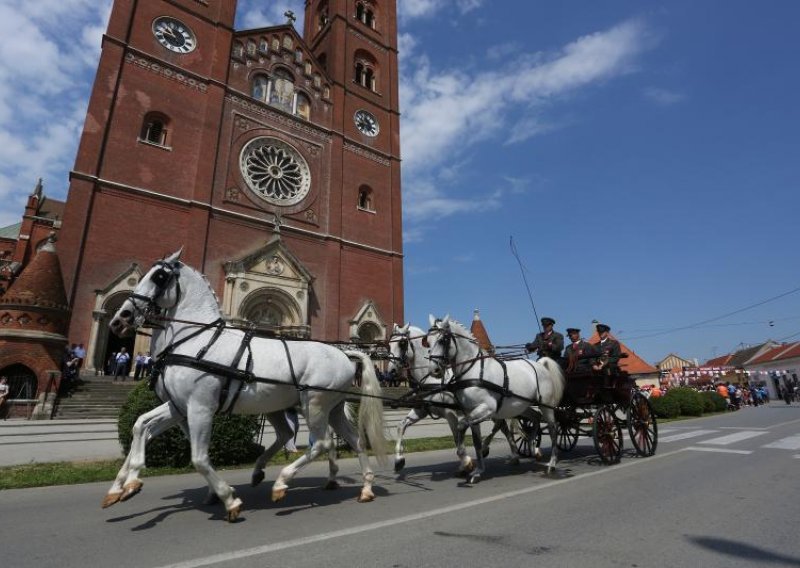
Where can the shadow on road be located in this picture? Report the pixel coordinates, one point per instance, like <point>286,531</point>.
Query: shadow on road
<point>742,550</point>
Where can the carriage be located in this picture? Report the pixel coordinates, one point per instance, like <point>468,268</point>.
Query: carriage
<point>600,406</point>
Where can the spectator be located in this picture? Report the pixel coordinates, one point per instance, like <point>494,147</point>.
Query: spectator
<point>722,390</point>
<point>148,364</point>
<point>3,397</point>
<point>80,354</point>
<point>121,364</point>
<point>655,392</point>
<point>138,366</point>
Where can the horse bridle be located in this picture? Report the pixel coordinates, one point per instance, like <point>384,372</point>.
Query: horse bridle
<point>162,278</point>
<point>444,361</point>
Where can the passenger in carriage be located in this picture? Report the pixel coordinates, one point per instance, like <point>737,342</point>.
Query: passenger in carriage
<point>548,343</point>
<point>578,353</point>
<point>607,351</point>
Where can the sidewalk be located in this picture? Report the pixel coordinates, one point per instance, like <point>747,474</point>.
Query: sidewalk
<point>24,441</point>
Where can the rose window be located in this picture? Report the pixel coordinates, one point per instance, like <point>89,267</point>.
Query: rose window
<point>275,171</point>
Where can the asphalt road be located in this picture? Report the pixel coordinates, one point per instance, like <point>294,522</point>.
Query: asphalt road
<point>721,491</point>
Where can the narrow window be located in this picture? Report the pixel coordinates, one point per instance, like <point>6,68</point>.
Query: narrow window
<point>154,129</point>
<point>360,73</point>
<point>303,106</point>
<point>282,93</point>
<point>365,200</point>
<point>260,87</point>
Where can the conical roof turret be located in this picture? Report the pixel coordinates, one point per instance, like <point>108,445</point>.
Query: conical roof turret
<point>40,283</point>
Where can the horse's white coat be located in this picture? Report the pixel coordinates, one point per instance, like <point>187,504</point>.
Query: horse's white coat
<point>194,394</point>
<point>453,346</point>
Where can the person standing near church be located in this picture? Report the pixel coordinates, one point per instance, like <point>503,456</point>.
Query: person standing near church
<point>3,396</point>
<point>138,366</point>
<point>548,343</point>
<point>121,364</point>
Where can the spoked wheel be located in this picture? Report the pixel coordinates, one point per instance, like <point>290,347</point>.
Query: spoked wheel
<point>642,425</point>
<point>568,429</point>
<point>607,435</point>
<point>525,445</point>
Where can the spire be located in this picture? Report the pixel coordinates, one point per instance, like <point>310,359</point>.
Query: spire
<point>37,191</point>
<point>40,283</point>
<point>479,332</point>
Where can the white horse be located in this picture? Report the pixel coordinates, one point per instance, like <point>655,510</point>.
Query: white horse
<point>408,350</point>
<point>487,388</point>
<point>207,367</point>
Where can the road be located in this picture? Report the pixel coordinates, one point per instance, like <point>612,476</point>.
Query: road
<point>721,491</point>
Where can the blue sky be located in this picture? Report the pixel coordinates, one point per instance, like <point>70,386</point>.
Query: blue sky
<point>644,156</point>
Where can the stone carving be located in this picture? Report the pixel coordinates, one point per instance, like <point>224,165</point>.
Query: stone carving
<point>366,153</point>
<point>275,266</point>
<point>163,70</point>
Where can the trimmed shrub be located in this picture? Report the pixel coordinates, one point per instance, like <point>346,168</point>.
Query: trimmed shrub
<point>689,400</point>
<point>231,436</point>
<point>665,408</point>
<point>718,403</point>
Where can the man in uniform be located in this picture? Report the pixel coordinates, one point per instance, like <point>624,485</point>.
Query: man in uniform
<point>607,350</point>
<point>548,343</point>
<point>578,352</point>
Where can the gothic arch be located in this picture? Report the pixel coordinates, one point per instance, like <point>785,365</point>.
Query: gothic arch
<point>270,308</point>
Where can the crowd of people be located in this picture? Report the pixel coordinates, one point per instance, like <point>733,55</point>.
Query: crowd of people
<point>735,395</point>
<point>120,364</point>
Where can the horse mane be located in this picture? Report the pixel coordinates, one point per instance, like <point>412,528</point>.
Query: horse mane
<point>460,329</point>
<point>205,279</point>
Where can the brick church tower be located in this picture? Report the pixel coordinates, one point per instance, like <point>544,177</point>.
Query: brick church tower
<point>272,158</point>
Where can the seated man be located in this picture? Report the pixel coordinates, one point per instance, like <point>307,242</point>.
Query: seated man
<point>607,351</point>
<point>548,343</point>
<point>578,352</point>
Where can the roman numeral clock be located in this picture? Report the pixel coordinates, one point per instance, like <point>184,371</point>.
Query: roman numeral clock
<point>174,34</point>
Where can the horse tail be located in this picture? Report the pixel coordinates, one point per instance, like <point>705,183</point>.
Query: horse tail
<point>370,408</point>
<point>559,380</point>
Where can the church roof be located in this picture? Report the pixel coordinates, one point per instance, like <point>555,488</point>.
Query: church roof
<point>479,332</point>
<point>10,232</point>
<point>40,283</point>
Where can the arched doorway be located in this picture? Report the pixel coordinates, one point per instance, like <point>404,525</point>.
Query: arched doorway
<point>22,382</point>
<point>369,332</point>
<point>272,310</point>
<point>108,343</point>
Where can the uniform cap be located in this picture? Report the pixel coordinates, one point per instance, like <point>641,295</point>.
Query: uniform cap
<point>601,327</point>
<point>548,321</point>
<point>571,329</point>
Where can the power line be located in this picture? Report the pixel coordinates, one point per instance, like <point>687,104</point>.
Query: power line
<point>717,318</point>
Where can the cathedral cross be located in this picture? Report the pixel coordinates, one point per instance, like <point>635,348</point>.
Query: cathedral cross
<point>290,17</point>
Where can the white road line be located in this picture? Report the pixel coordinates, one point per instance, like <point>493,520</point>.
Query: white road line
<point>733,438</point>
<point>299,542</point>
<point>719,450</point>
<point>740,428</point>
<point>685,435</point>
<point>790,443</point>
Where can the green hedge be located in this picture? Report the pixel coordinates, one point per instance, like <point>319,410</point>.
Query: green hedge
<point>231,437</point>
<point>715,401</point>
<point>665,408</point>
<point>689,400</point>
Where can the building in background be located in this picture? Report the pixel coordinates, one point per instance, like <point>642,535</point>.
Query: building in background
<point>271,157</point>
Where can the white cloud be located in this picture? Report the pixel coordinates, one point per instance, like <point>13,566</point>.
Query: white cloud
<point>255,14</point>
<point>663,97</point>
<point>408,9</point>
<point>447,112</point>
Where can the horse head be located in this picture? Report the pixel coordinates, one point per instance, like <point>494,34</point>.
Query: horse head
<point>158,290</point>
<point>408,346</point>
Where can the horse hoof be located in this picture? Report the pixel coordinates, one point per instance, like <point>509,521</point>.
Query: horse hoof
<point>278,494</point>
<point>473,479</point>
<point>399,465</point>
<point>513,461</point>
<point>366,496</point>
<point>211,499</point>
<point>130,489</point>
<point>469,466</point>
<point>331,485</point>
<point>258,477</point>
<point>537,455</point>
<point>234,511</point>
<point>111,499</point>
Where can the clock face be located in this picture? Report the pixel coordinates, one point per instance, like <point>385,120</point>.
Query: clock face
<point>174,34</point>
<point>366,123</point>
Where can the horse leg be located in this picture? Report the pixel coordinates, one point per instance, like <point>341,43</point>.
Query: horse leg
<point>282,435</point>
<point>498,425</point>
<point>200,421</point>
<point>347,430</point>
<point>503,426</point>
<point>147,427</point>
<point>411,418</point>
<point>477,442</point>
<point>550,417</point>
<point>316,420</point>
<point>466,464</point>
<point>474,417</point>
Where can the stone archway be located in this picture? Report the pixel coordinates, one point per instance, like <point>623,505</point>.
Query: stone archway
<point>369,332</point>
<point>274,310</point>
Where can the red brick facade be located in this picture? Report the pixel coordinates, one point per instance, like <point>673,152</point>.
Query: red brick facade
<point>133,201</point>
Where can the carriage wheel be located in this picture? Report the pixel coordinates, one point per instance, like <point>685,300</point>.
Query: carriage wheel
<point>522,440</point>
<point>642,425</point>
<point>607,435</point>
<point>568,429</point>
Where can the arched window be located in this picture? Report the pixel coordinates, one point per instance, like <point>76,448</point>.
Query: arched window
<point>238,49</point>
<point>365,13</point>
<point>22,383</point>
<point>366,70</point>
<point>322,58</point>
<point>263,46</point>
<point>369,332</point>
<point>251,47</point>
<point>154,129</point>
<point>298,56</point>
<point>303,106</point>
<point>282,93</point>
<point>365,199</point>
<point>260,88</point>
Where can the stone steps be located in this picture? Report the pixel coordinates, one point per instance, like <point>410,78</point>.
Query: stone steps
<point>95,398</point>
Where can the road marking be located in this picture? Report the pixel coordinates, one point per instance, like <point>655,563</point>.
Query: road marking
<point>299,542</point>
<point>733,438</point>
<point>685,435</point>
<point>740,428</point>
<point>790,443</point>
<point>719,450</point>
